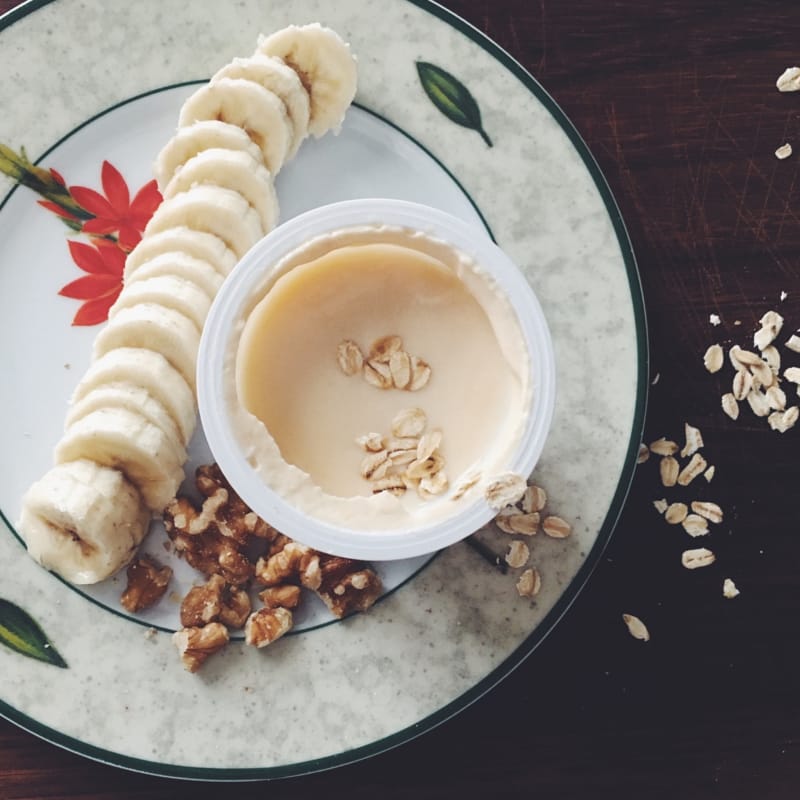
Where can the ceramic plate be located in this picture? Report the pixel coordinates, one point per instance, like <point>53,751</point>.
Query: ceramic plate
<point>443,117</point>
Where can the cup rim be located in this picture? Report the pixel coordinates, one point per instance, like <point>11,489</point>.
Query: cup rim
<point>233,296</point>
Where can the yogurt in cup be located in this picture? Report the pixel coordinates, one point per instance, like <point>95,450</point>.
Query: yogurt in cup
<point>360,349</point>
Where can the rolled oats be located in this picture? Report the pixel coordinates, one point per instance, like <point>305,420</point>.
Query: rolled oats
<point>505,490</point>
<point>393,484</point>
<point>758,402</point>
<point>466,483</point>
<point>525,524</point>
<point>420,374</point>
<point>644,453</point>
<point>793,343</point>
<point>400,367</point>
<point>556,528</point>
<point>676,513</point>
<point>660,505</point>
<point>669,469</point>
<point>746,357</point>
<point>782,421</point>
<point>373,442</point>
<point>695,559</point>
<point>378,374</point>
<point>713,358</point>
<point>694,440</point>
<point>534,499</point>
<point>503,519</point>
<point>529,583</point>
<point>784,151</point>
<point>771,324</point>
<point>762,374</point>
<point>636,628</point>
<point>730,406</point>
<point>375,465</point>
<point>695,525</point>
<point>409,423</point>
<point>381,349</point>
<point>709,473</point>
<point>742,384</point>
<point>695,467</point>
<point>433,484</point>
<point>711,511</point>
<point>729,590</point>
<point>664,447</point>
<point>518,554</point>
<point>349,357</point>
<point>776,398</point>
<point>772,357</point>
<point>789,80</point>
<point>792,374</point>
<point>428,444</point>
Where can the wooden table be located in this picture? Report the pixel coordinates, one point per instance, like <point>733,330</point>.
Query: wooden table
<point>679,106</point>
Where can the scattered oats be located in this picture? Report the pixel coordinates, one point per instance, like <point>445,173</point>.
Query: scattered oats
<point>400,367</point>
<point>433,484</point>
<point>636,628</point>
<point>783,420</point>
<point>730,406</point>
<point>676,513</point>
<point>733,355</point>
<point>694,440</point>
<point>661,505</point>
<point>694,559</point>
<point>762,375</point>
<point>503,519</point>
<point>428,444</point>
<point>150,634</point>
<point>534,499</point>
<point>746,358</point>
<point>349,357</point>
<point>518,554</point>
<point>695,467</point>
<point>742,384</point>
<point>526,524</point>
<point>372,442</point>
<point>466,483</point>
<point>556,528</point>
<point>713,358</point>
<point>758,403</point>
<point>393,484</point>
<point>784,151</point>
<point>695,526</point>
<point>644,453</point>
<point>792,374</point>
<point>783,296</point>
<point>772,357</point>
<point>505,490</point>
<point>737,322</point>
<point>776,398</point>
<point>729,590</point>
<point>378,374</point>
<point>711,511</point>
<point>382,349</point>
<point>420,374</point>
<point>772,321</point>
<point>714,319</point>
<point>409,422</point>
<point>789,80</point>
<point>529,583</point>
<point>669,469</point>
<point>793,343</point>
<point>709,473</point>
<point>663,447</point>
<point>375,465</point>
<point>656,379</point>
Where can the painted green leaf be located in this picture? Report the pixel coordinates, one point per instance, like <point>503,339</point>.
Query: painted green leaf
<point>451,97</point>
<point>20,632</point>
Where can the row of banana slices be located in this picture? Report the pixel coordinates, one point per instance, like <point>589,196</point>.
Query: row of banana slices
<point>134,411</point>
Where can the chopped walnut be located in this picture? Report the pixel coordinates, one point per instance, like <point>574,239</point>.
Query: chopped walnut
<point>286,596</point>
<point>147,583</point>
<point>195,645</point>
<point>266,625</point>
<point>294,560</point>
<point>347,586</point>
<point>215,601</point>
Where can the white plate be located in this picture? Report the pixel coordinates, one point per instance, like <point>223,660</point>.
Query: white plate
<point>88,86</point>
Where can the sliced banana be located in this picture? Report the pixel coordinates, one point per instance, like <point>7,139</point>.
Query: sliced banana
<point>223,212</point>
<point>278,77</point>
<point>261,113</point>
<point>125,440</point>
<point>197,244</point>
<point>193,139</point>
<point>170,291</point>
<point>324,64</point>
<point>231,169</point>
<point>152,371</point>
<point>123,394</point>
<point>156,327</point>
<point>83,520</point>
<point>181,265</point>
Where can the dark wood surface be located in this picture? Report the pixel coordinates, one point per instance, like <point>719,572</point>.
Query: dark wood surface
<point>676,100</point>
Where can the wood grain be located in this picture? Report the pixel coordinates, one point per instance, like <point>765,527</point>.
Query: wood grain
<point>677,103</point>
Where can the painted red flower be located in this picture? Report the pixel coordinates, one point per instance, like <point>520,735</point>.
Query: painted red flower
<point>104,262</point>
<point>116,212</point>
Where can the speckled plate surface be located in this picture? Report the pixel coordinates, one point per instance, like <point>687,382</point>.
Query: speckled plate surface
<point>443,116</point>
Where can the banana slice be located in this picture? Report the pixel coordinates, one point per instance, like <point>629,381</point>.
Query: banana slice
<point>83,520</point>
<point>179,265</point>
<point>169,291</point>
<point>273,74</point>
<point>212,209</point>
<point>197,244</point>
<point>324,64</point>
<point>155,327</point>
<point>232,169</point>
<point>125,440</point>
<point>261,113</point>
<point>193,139</point>
<point>150,370</point>
<point>123,394</point>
